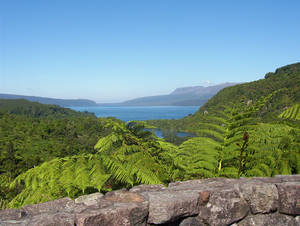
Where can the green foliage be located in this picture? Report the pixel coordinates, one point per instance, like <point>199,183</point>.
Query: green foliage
<point>135,149</point>
<point>37,110</point>
<point>26,142</point>
<point>125,157</point>
<point>60,177</point>
<point>292,113</point>
<point>198,157</point>
<point>253,107</point>
<point>48,153</point>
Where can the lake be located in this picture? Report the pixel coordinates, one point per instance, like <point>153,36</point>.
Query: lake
<point>159,133</point>
<point>141,112</point>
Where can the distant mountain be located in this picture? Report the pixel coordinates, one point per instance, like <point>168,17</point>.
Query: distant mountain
<point>46,100</point>
<point>186,96</point>
<point>38,110</point>
<point>283,85</point>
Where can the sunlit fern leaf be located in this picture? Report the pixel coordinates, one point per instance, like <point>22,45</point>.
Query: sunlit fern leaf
<point>117,169</point>
<point>231,172</point>
<point>292,113</point>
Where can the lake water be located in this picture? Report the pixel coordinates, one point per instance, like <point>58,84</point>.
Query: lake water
<point>159,133</point>
<point>141,113</point>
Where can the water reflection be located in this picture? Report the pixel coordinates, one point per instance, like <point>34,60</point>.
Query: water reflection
<point>167,133</point>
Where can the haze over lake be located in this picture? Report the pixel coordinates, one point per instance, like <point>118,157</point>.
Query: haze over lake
<point>141,112</point>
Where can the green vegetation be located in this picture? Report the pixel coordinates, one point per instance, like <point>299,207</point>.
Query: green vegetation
<point>292,113</point>
<point>267,109</point>
<point>33,133</point>
<point>64,153</point>
<point>37,110</point>
<point>48,152</point>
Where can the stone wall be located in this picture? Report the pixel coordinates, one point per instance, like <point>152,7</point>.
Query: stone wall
<point>217,201</point>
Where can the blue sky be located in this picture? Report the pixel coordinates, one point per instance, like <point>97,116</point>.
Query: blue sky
<point>116,50</point>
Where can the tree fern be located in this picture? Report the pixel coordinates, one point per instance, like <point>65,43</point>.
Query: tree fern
<point>198,157</point>
<point>292,113</point>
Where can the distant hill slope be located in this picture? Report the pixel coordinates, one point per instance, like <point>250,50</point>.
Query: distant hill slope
<point>286,80</point>
<point>187,96</point>
<point>45,100</point>
<point>284,83</point>
<point>37,110</point>
<point>247,130</point>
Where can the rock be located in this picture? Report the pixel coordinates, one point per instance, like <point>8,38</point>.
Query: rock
<point>184,183</point>
<point>172,205</point>
<point>288,178</point>
<point>212,184</point>
<point>59,205</point>
<point>127,208</point>
<point>147,188</point>
<point>204,197</point>
<point>289,198</point>
<point>89,200</point>
<point>215,201</point>
<point>24,222</point>
<point>297,221</point>
<point>262,197</point>
<point>11,214</point>
<point>268,219</point>
<point>58,219</point>
<point>224,207</point>
<point>125,214</point>
<point>272,180</point>
<point>124,197</point>
<point>192,221</point>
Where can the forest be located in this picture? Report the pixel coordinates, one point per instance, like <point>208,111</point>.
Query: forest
<point>48,152</point>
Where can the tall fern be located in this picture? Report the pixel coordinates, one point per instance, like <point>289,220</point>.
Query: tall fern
<point>292,113</point>
<point>124,158</point>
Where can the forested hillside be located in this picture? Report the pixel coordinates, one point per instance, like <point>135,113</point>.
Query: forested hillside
<point>250,129</point>
<point>285,81</point>
<point>247,130</point>
<point>35,109</point>
<point>46,100</point>
<point>47,152</point>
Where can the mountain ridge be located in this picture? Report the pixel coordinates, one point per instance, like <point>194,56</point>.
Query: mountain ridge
<point>183,96</point>
<point>284,83</point>
<point>49,100</point>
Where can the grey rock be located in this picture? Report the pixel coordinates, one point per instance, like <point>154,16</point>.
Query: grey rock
<point>262,197</point>
<point>289,198</point>
<point>59,205</point>
<point>268,219</point>
<point>297,221</point>
<point>192,221</point>
<point>272,180</point>
<point>11,214</point>
<point>224,207</point>
<point>125,214</point>
<point>58,219</point>
<point>120,191</point>
<point>89,200</point>
<point>147,188</point>
<point>288,178</point>
<point>172,205</point>
<point>215,201</point>
<point>212,184</point>
<point>188,182</point>
<point>24,222</point>
<point>124,196</point>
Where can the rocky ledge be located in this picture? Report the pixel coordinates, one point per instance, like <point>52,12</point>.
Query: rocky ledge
<point>217,201</point>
